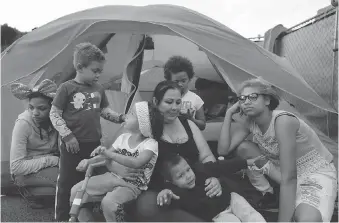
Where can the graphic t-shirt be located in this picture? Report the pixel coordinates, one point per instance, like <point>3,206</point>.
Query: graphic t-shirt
<point>121,146</point>
<point>81,105</point>
<point>191,101</point>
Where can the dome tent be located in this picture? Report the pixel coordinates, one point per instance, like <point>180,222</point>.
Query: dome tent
<point>220,54</point>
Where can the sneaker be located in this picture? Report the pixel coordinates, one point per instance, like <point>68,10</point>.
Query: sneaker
<point>268,201</point>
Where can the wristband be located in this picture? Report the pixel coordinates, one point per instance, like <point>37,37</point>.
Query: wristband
<point>264,169</point>
<point>68,137</point>
<point>121,118</point>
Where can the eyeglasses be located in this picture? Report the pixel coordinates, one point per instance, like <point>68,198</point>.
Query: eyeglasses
<point>251,97</point>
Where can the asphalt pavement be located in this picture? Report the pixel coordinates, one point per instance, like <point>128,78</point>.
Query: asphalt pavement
<point>15,209</point>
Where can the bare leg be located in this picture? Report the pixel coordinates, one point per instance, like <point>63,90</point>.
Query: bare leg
<point>248,150</point>
<point>307,213</point>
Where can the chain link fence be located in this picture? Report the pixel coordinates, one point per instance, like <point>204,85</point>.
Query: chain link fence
<point>311,48</point>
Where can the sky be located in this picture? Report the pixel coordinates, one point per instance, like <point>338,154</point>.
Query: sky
<point>247,17</point>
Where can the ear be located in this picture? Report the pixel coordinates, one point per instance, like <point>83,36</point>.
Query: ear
<point>155,101</point>
<point>267,100</point>
<point>79,67</point>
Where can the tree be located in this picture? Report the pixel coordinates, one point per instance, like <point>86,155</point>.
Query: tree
<point>9,35</point>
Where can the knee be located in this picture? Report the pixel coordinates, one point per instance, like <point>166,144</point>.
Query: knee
<point>302,215</point>
<point>247,149</point>
<point>108,205</point>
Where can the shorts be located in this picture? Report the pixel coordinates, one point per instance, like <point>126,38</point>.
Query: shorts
<point>318,189</point>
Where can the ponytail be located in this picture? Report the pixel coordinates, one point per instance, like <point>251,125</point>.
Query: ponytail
<point>157,121</point>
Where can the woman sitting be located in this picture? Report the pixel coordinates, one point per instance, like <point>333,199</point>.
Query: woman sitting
<point>295,158</point>
<point>180,136</point>
<point>34,148</point>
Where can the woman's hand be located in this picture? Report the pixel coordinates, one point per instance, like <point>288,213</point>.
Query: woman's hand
<point>234,108</point>
<point>82,166</point>
<point>165,197</point>
<point>213,187</point>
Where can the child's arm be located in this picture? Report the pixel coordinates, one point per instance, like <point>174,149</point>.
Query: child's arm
<point>224,167</point>
<point>165,196</point>
<point>107,113</point>
<point>83,164</point>
<point>129,161</point>
<point>150,148</point>
<point>59,103</point>
<point>110,115</point>
<point>59,123</point>
<point>199,118</point>
<point>96,159</point>
<point>66,134</point>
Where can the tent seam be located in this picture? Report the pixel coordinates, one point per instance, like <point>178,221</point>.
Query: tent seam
<point>333,111</point>
<point>55,55</point>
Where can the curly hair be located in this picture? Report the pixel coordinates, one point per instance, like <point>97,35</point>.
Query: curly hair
<point>85,53</point>
<point>176,64</point>
<point>264,88</point>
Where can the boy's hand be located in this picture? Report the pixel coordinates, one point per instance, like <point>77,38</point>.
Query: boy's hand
<point>72,145</point>
<point>188,114</point>
<point>82,166</point>
<point>165,196</point>
<point>98,150</point>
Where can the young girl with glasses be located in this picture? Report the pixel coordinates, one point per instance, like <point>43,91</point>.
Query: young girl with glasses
<point>294,156</point>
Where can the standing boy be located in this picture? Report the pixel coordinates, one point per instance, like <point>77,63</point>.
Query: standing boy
<point>75,114</point>
<point>180,70</point>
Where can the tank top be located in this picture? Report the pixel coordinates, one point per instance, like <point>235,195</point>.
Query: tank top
<point>188,150</point>
<point>311,154</point>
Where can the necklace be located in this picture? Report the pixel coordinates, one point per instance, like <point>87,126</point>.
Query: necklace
<point>175,133</point>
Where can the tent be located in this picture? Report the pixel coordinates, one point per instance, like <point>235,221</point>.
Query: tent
<point>217,52</point>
